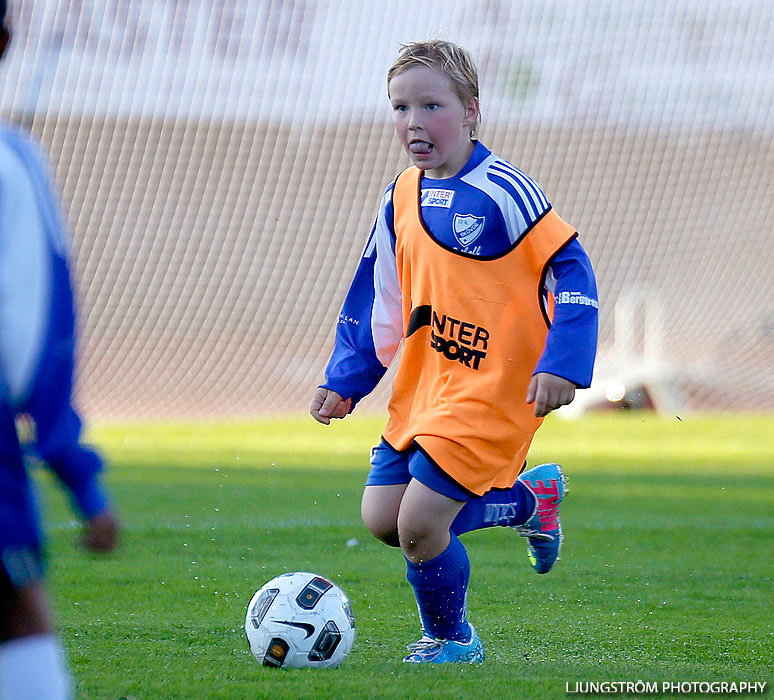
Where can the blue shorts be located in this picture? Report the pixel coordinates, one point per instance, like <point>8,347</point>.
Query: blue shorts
<point>390,467</point>
<point>21,561</point>
<point>20,567</point>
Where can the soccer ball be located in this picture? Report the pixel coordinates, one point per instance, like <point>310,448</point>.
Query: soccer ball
<point>300,620</point>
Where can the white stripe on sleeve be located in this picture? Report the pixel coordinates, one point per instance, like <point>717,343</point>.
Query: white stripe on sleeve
<point>387,315</point>
<point>25,284</point>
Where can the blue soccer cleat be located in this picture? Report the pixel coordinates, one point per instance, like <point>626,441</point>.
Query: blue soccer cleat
<point>429,650</point>
<point>543,530</point>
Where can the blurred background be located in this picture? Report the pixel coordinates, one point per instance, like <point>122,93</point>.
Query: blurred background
<point>221,164</point>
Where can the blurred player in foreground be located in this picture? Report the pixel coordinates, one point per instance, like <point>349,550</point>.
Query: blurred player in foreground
<point>466,266</point>
<point>37,327</point>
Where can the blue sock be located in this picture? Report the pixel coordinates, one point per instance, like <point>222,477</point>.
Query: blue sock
<point>503,507</point>
<point>441,586</point>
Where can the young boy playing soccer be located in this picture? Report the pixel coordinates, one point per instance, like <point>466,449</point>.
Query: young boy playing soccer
<point>495,303</point>
<point>37,329</point>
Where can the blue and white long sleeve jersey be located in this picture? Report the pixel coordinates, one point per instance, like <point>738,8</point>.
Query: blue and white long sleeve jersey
<point>482,212</point>
<point>37,326</point>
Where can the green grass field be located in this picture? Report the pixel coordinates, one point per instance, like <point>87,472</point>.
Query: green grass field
<point>667,570</point>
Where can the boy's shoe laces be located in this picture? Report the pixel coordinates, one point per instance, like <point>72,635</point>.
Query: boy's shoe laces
<point>424,645</point>
<point>530,532</point>
<point>445,651</point>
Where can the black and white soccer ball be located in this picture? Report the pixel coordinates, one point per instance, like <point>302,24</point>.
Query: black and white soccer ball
<point>300,620</point>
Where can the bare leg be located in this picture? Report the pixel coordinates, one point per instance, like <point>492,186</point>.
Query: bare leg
<point>32,664</point>
<point>23,612</point>
<point>437,565</point>
<point>424,520</point>
<point>379,509</point>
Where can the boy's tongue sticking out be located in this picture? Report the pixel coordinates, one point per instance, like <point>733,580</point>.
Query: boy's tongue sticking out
<point>420,147</point>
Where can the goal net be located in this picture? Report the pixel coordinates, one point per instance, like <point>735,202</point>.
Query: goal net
<point>221,164</point>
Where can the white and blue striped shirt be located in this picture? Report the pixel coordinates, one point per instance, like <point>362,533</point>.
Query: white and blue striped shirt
<point>483,212</point>
<point>37,336</point>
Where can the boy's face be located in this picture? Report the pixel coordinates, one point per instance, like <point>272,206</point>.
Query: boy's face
<point>432,123</point>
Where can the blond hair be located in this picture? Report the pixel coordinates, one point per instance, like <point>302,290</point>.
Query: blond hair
<point>447,58</point>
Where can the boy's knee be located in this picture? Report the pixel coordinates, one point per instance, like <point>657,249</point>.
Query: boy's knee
<point>381,525</point>
<point>414,534</point>
<point>389,537</point>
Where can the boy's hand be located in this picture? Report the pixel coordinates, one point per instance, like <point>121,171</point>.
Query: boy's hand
<point>547,392</point>
<point>100,533</point>
<point>327,404</point>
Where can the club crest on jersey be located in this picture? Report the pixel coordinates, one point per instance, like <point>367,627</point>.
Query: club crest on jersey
<point>467,228</point>
<point>436,198</point>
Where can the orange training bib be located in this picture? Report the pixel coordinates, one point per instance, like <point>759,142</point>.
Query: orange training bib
<point>474,330</point>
